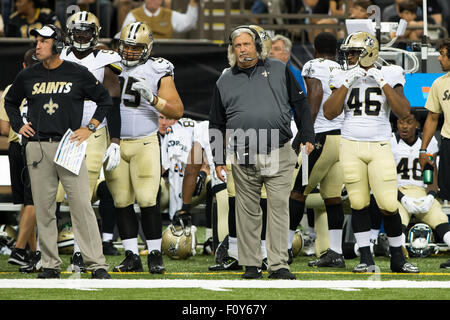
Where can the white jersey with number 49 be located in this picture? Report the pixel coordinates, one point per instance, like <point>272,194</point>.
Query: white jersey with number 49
<point>96,62</point>
<point>139,118</point>
<point>321,69</point>
<point>366,108</point>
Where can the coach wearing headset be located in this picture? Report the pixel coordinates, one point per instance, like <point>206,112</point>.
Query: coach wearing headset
<point>55,91</point>
<point>251,104</point>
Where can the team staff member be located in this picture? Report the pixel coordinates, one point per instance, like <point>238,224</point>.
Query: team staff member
<point>20,183</point>
<point>256,94</point>
<point>439,102</point>
<point>55,91</point>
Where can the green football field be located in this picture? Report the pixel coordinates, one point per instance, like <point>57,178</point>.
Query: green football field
<point>190,280</point>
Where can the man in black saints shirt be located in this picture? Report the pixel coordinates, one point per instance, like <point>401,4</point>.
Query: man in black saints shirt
<point>55,91</point>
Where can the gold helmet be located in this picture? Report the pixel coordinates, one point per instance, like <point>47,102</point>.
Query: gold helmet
<point>83,30</point>
<point>138,37</point>
<point>66,240</point>
<point>365,43</point>
<point>8,235</point>
<point>265,40</point>
<point>179,243</point>
<point>297,243</point>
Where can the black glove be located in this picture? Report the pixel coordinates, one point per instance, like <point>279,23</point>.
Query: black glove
<point>182,218</point>
<point>201,177</point>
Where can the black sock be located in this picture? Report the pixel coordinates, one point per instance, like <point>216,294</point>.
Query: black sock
<point>127,222</point>
<point>296,210</point>
<point>151,222</point>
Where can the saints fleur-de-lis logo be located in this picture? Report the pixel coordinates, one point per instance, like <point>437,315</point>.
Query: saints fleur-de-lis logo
<point>51,107</point>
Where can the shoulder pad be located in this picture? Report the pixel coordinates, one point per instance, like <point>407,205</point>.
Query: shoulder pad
<point>46,10</point>
<point>107,56</point>
<point>162,66</point>
<point>394,75</point>
<point>336,78</point>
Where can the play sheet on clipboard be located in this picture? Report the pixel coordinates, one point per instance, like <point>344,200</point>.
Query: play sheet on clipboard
<point>69,155</point>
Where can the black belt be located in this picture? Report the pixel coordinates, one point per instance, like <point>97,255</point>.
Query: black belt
<point>47,139</point>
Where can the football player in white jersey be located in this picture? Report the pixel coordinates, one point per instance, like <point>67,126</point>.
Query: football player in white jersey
<point>148,88</point>
<point>83,33</point>
<point>324,167</point>
<point>415,197</point>
<point>367,94</point>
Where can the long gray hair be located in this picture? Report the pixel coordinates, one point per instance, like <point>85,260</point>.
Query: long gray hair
<point>237,32</point>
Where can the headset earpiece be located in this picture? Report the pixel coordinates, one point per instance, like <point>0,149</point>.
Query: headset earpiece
<point>58,41</point>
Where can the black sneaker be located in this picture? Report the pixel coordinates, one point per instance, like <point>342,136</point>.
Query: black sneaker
<point>445,265</point>
<point>131,263</point>
<point>222,251</point>
<point>77,263</point>
<point>155,262</point>
<point>252,272</point>
<point>227,264</point>
<point>282,273</point>
<point>100,274</point>
<point>208,247</point>
<point>330,259</point>
<point>109,249</point>
<point>264,265</point>
<point>48,273</point>
<point>403,267</point>
<point>290,256</point>
<point>34,265</point>
<point>18,257</point>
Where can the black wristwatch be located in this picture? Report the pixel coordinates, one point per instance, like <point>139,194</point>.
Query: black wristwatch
<point>91,127</point>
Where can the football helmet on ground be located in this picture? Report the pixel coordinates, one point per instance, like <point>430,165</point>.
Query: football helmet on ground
<point>66,240</point>
<point>297,243</point>
<point>135,44</point>
<point>8,236</point>
<point>83,30</point>
<point>179,243</point>
<point>420,241</point>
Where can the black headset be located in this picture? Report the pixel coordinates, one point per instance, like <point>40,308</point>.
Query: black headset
<point>258,42</point>
<point>58,39</point>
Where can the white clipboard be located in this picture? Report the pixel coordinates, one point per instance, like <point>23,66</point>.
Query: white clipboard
<point>305,166</point>
<point>69,155</point>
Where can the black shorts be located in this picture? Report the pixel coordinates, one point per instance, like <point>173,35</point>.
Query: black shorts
<point>444,169</point>
<point>20,179</point>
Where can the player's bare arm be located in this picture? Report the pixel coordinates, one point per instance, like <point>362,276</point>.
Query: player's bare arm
<point>315,95</point>
<point>335,103</point>
<point>174,106</point>
<point>397,100</point>
<point>428,131</point>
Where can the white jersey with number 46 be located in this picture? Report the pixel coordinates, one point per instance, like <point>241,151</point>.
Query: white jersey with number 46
<point>366,108</point>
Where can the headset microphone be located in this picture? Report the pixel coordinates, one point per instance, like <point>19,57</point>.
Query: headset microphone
<point>248,59</point>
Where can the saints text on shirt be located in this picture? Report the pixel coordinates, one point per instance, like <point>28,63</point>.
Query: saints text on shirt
<point>51,87</point>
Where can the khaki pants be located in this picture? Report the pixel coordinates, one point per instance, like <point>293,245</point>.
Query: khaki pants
<point>248,183</point>
<point>44,184</point>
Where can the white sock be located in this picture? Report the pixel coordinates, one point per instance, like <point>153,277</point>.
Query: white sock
<point>336,240</point>
<point>291,238</point>
<point>447,238</point>
<point>395,241</point>
<point>403,239</point>
<point>154,245</point>
<point>374,234</point>
<point>107,237</point>
<point>38,247</point>
<point>208,233</point>
<point>76,248</point>
<point>363,239</point>
<point>263,249</point>
<point>131,244</point>
<point>232,248</point>
<point>312,233</point>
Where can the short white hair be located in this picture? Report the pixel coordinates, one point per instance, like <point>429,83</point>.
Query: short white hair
<point>286,42</point>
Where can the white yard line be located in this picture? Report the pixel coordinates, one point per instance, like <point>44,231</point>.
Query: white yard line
<point>216,285</point>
